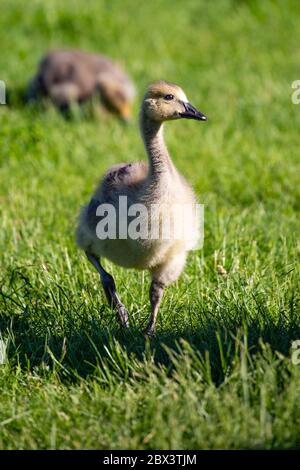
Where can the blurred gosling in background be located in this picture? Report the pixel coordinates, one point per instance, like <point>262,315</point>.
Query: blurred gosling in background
<point>156,184</point>
<point>74,76</point>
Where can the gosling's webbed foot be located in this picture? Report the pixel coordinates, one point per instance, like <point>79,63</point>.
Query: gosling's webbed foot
<point>149,332</point>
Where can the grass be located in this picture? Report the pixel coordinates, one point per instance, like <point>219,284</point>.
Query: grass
<point>219,374</point>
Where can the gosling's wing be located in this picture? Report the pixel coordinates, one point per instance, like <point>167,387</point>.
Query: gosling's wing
<point>122,177</point>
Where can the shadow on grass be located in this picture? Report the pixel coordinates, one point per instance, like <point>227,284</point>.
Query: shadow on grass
<point>45,327</point>
<point>76,353</point>
<point>17,98</point>
<point>89,110</point>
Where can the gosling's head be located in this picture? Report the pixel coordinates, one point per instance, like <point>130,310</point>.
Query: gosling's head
<point>165,101</point>
<point>117,94</point>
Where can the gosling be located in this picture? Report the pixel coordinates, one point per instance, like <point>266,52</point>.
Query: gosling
<point>156,184</point>
<point>74,76</point>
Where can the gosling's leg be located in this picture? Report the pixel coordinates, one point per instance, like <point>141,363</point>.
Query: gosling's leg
<point>156,294</point>
<point>34,90</point>
<point>162,276</point>
<point>110,290</point>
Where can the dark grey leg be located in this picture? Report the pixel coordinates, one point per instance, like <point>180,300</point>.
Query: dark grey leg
<point>34,90</point>
<point>110,290</point>
<point>156,293</point>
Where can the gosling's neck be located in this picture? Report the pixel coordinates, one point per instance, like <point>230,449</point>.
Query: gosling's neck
<point>160,162</point>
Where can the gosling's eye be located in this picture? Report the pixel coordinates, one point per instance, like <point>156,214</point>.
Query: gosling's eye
<point>169,97</point>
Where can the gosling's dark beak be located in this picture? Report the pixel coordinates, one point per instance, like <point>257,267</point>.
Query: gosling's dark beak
<point>192,113</point>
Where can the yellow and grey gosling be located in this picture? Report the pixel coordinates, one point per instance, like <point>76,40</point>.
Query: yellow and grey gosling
<point>68,76</point>
<point>157,183</point>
